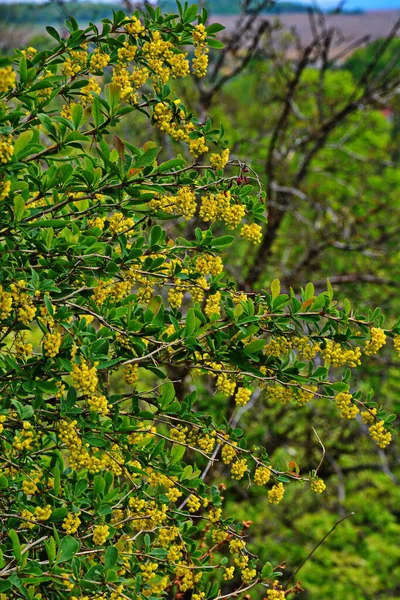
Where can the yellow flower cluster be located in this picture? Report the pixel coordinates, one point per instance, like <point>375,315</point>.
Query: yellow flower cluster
<point>163,60</point>
<point>225,385</point>
<point>348,410</point>
<point>213,305</point>
<point>207,442</point>
<point>99,405</point>
<point>5,304</point>
<point>26,311</point>
<point>239,468</point>
<point>200,60</point>
<point>131,375</point>
<point>380,435</point>
<point>75,63</point>
<point>198,146</point>
<point>228,454</point>
<point>219,206</point>
<point>207,264</point>
<point>85,377</point>
<point>79,456</point>
<point>5,187</point>
<point>100,534</point>
<point>71,523</point>
<point>127,53</point>
<point>219,161</point>
<point>148,570</point>
<point>276,592</point>
<point>6,148</point>
<point>23,440</point>
<point>277,346</point>
<point>88,90</point>
<point>317,485</point>
<point>368,416</point>
<point>396,340</point>
<point>236,545</point>
<point>147,514</point>
<point>215,515</point>
<point>242,396</point>
<point>7,79</point>
<point>3,419</point>
<point>262,475</point>
<point>43,514</point>
<point>285,394</point>
<point>22,348</point>
<point>27,516</point>
<point>118,223</point>
<point>339,356</point>
<point>218,536</point>
<point>228,573</point>
<point>248,574</point>
<point>306,349</point>
<point>252,232</point>
<point>378,339</point>
<point>51,344</point>
<point>98,60</point>
<point>134,27</point>
<point>189,577</point>
<point>193,504</point>
<point>179,65</point>
<point>186,202</point>
<point>276,493</point>
<point>29,486</point>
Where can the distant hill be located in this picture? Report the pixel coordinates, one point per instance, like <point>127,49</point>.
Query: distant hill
<point>50,13</point>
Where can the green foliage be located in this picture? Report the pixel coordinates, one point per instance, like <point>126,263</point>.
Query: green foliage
<point>113,297</point>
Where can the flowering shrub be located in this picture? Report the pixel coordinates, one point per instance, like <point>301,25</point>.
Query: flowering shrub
<point>106,470</point>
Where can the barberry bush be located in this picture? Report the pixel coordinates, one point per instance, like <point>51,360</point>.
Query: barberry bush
<point>119,325</point>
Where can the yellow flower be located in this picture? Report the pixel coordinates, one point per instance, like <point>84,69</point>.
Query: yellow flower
<point>276,493</point>
<point>219,161</point>
<point>378,339</point>
<point>239,468</point>
<point>262,475</point>
<point>252,232</point>
<point>317,485</point>
<point>7,79</point>
<point>100,534</point>
<point>6,148</point>
<point>71,523</point>
<point>242,396</point>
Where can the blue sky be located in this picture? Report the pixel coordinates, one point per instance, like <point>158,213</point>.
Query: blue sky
<point>363,4</point>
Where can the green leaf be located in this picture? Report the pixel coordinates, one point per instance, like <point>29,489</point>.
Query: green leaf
<point>5,585</point>
<point>77,114</point>
<point>177,453</point>
<point>214,28</point>
<point>12,534</point>
<point>168,394</point>
<point>309,291</point>
<point>147,158</point>
<point>267,570</point>
<point>215,43</point>
<point>110,557</point>
<point>255,346</point>
<point>223,241</point>
<point>69,546</point>
<point>275,288</point>
<point>169,165</point>
<point>54,33</point>
<point>191,321</point>
<point>19,208</point>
